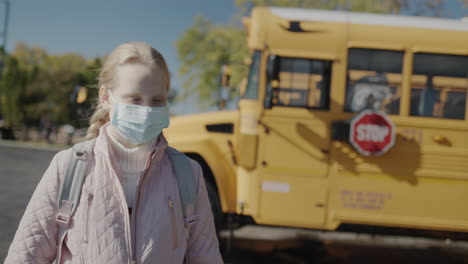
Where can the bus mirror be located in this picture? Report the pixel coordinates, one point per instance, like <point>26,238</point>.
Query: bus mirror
<point>222,104</point>
<point>225,75</point>
<point>273,68</point>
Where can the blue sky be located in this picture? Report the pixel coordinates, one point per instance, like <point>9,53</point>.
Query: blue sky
<point>93,28</point>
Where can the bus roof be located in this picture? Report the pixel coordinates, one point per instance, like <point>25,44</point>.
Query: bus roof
<point>369,19</point>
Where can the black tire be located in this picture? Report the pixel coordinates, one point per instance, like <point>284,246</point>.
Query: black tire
<point>215,206</point>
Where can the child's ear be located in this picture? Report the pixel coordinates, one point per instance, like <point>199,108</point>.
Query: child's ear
<point>104,96</point>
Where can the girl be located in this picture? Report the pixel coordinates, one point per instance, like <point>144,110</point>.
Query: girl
<point>130,210</point>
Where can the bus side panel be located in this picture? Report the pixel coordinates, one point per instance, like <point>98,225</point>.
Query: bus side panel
<point>419,183</point>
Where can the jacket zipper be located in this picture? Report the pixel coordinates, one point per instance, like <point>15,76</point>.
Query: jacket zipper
<point>136,206</point>
<point>127,218</point>
<point>174,224</point>
<point>88,210</point>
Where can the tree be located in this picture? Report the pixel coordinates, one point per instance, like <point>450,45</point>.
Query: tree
<point>35,84</point>
<point>12,92</point>
<point>88,79</point>
<point>204,47</point>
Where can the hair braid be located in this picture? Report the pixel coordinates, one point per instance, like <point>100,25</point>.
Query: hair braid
<point>97,120</point>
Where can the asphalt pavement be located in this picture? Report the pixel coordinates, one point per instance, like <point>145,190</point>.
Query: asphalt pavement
<point>21,168</point>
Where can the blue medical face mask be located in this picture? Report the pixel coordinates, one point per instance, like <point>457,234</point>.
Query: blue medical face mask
<point>139,124</point>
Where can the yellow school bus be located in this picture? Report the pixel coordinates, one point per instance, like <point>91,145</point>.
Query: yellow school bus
<point>284,158</point>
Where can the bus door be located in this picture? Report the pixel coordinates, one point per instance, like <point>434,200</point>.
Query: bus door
<point>294,142</point>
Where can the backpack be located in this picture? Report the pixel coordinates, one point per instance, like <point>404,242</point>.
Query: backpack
<point>70,190</point>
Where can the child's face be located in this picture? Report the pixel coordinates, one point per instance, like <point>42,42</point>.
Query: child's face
<point>138,84</point>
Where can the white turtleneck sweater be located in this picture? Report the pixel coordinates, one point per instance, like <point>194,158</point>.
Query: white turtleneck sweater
<point>131,165</point>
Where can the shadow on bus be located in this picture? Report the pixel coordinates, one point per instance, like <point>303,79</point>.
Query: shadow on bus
<point>400,162</point>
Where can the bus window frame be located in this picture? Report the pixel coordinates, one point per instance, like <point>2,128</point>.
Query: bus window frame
<point>255,60</point>
<point>409,80</point>
<point>389,48</point>
<point>268,101</point>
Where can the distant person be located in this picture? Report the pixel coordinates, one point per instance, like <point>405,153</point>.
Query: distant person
<point>69,131</point>
<point>46,125</point>
<point>130,208</point>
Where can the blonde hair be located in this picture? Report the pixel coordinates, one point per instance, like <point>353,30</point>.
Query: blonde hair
<point>131,52</point>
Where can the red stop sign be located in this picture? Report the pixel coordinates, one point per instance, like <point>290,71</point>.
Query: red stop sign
<point>372,133</point>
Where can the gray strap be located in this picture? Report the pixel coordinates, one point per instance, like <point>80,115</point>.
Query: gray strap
<point>186,181</point>
<point>75,174</point>
<point>70,189</point>
<point>63,220</point>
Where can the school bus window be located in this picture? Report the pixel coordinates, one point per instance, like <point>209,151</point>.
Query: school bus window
<point>438,86</point>
<point>303,83</point>
<point>374,80</point>
<point>251,91</point>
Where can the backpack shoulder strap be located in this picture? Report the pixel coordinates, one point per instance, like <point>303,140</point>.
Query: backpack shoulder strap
<point>75,173</point>
<point>186,181</point>
<point>70,189</point>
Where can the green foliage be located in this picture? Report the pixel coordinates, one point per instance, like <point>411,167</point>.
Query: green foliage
<point>35,85</point>
<point>12,91</point>
<point>203,49</point>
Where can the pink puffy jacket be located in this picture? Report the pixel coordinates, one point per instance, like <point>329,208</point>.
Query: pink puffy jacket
<point>101,230</point>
